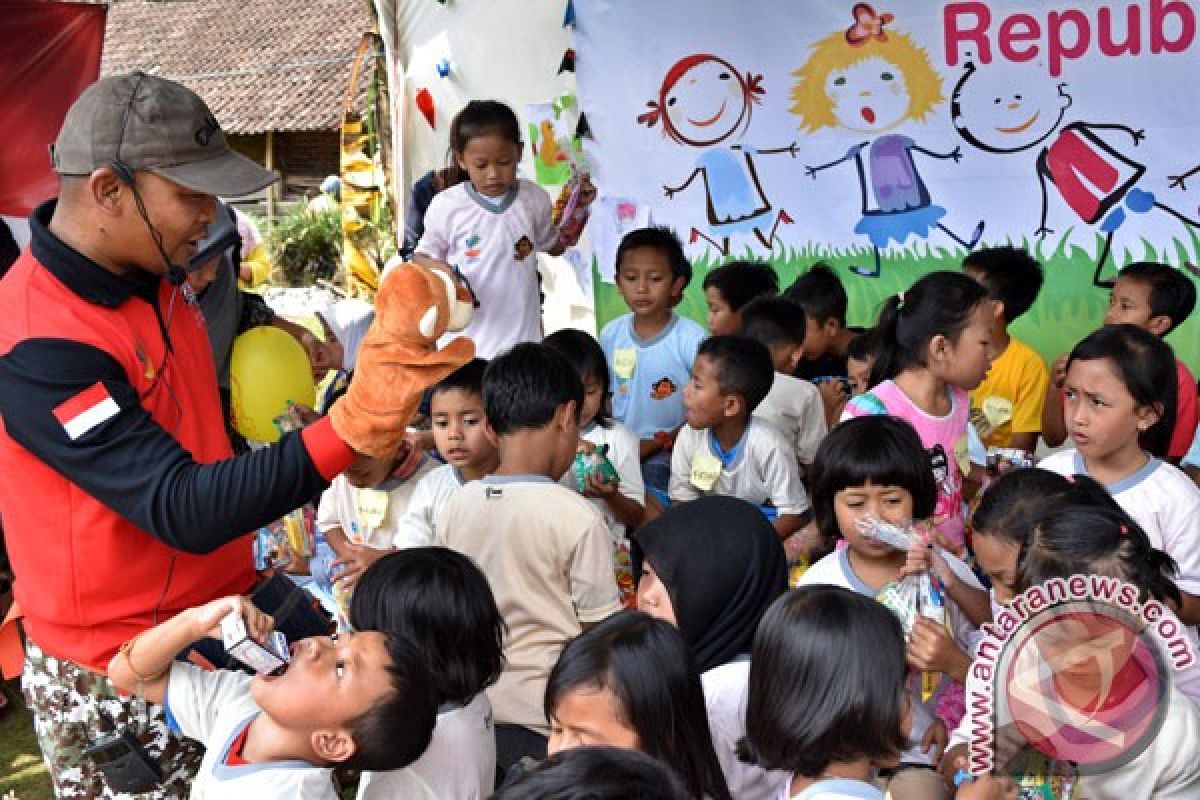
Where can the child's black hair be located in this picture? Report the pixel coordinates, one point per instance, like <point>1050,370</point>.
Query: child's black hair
<point>1078,539</point>
<point>1013,503</point>
<point>483,118</point>
<point>1010,274</point>
<point>586,357</point>
<point>1172,293</point>
<point>827,683</point>
<point>525,387</point>
<point>774,321</point>
<point>1146,365</point>
<point>744,367</point>
<point>940,303</point>
<point>739,282</point>
<point>861,346</point>
<point>879,450</point>
<point>647,666</point>
<point>821,295</point>
<point>467,378</point>
<point>395,731</point>
<point>596,773</point>
<point>442,602</point>
<point>663,240</point>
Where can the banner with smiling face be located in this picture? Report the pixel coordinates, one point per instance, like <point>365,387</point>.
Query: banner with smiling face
<point>890,138</point>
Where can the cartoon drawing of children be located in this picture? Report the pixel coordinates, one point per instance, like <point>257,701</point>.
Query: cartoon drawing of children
<point>870,80</point>
<point>996,113</point>
<point>704,101</point>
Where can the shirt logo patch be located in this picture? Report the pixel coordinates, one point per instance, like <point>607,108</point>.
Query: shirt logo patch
<point>663,388</point>
<point>87,410</point>
<point>522,249</point>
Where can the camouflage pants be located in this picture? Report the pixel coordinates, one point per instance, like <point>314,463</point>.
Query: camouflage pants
<point>66,699</point>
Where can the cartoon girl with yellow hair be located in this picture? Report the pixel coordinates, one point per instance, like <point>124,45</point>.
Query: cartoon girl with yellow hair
<point>869,80</point>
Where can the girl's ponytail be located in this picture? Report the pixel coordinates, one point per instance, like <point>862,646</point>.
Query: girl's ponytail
<point>940,303</point>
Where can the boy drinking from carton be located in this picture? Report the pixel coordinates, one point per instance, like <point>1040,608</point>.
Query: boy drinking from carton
<point>793,405</point>
<point>1157,298</point>
<point>361,701</point>
<point>1006,409</point>
<point>545,549</point>
<point>650,350</point>
<point>460,434</point>
<point>722,449</point>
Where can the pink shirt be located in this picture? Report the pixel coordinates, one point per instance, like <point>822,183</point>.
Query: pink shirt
<point>945,439</point>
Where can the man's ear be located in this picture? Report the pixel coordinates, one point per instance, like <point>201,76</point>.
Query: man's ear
<point>333,746</point>
<point>104,189</point>
<point>1159,325</point>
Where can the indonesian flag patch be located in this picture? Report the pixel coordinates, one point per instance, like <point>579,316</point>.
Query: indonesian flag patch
<point>86,410</point>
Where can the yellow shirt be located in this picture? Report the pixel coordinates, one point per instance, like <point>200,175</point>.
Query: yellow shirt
<point>1010,398</point>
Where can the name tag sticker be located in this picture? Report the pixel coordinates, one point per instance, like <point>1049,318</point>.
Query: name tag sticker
<point>706,468</point>
<point>372,506</point>
<point>624,362</point>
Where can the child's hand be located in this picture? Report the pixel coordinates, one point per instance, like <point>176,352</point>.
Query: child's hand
<point>987,787</point>
<point>934,741</point>
<point>585,447</point>
<point>348,569</point>
<point>1058,371</point>
<point>926,558</point>
<point>833,398</point>
<point>207,618</point>
<point>931,649</point>
<point>598,487</point>
<point>953,760</point>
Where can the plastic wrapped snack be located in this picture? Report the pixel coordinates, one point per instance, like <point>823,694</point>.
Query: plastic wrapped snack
<point>593,463</point>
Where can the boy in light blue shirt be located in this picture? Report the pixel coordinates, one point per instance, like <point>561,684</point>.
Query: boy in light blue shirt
<point>650,350</point>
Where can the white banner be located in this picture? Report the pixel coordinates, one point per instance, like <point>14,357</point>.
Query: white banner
<point>911,130</point>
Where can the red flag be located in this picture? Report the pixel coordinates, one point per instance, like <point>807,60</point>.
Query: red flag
<point>49,53</point>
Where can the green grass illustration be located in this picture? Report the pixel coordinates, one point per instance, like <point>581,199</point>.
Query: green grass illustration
<point>1068,307</point>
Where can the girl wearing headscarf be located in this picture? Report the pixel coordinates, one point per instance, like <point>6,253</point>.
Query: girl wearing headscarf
<point>712,567</point>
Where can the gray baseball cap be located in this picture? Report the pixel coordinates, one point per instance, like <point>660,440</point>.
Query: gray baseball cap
<point>153,124</point>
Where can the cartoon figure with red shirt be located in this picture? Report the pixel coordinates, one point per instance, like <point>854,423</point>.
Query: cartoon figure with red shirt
<point>703,102</point>
<point>1096,179</point>
<point>869,80</point>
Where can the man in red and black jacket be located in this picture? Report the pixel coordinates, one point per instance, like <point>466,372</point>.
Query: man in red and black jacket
<point>121,500</point>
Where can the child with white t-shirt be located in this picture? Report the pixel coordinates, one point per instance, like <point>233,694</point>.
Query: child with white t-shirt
<point>460,434</point>
<point>1119,404</point>
<point>361,701</point>
<point>876,467</point>
<point>723,449</point>
<point>793,405</point>
<point>359,514</point>
<point>441,601</point>
<point>621,501</point>
<point>491,227</point>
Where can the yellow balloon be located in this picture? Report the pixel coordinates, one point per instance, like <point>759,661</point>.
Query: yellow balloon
<point>267,370</point>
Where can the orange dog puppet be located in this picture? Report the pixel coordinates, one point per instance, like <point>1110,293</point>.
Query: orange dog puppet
<point>398,358</point>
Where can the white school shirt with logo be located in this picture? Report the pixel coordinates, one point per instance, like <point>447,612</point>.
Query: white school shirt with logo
<point>765,469</point>
<point>623,452</point>
<point>418,526</point>
<point>725,692</point>
<point>214,708</point>
<point>835,570</point>
<point>339,508</point>
<point>459,764</point>
<point>794,407</point>
<point>465,230</point>
<point>1163,500</point>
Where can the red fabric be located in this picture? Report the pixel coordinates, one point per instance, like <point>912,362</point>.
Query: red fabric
<point>1186,413</point>
<point>50,53</point>
<point>93,579</point>
<point>234,757</point>
<point>329,454</point>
